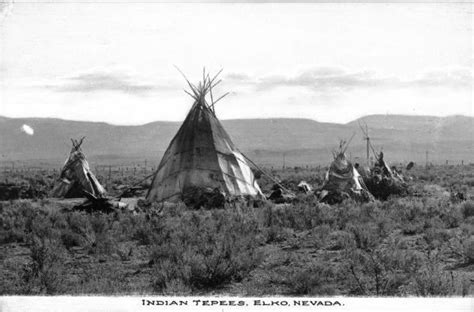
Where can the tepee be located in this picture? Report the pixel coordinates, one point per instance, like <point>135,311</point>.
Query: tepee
<point>343,181</point>
<point>381,167</point>
<point>76,177</point>
<point>202,157</point>
<point>383,181</point>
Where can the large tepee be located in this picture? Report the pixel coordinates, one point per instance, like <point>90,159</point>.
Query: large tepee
<point>201,156</point>
<point>76,177</point>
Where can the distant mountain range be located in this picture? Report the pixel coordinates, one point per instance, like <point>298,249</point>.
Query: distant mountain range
<point>267,141</point>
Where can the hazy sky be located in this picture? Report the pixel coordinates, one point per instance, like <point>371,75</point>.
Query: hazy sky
<point>113,62</point>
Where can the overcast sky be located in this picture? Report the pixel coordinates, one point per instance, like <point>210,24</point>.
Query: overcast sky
<point>113,62</point>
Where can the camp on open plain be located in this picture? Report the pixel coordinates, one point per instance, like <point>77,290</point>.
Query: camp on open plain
<point>296,150</point>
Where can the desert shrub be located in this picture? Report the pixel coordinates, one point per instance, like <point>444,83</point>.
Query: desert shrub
<point>20,219</point>
<point>204,250</point>
<point>147,229</point>
<point>380,272</point>
<point>384,224</point>
<point>143,227</point>
<point>10,235</point>
<point>365,235</point>
<point>412,228</point>
<point>125,225</point>
<point>451,217</point>
<point>338,240</point>
<point>432,281</point>
<point>468,250</point>
<point>41,227</point>
<point>436,237</point>
<point>58,219</point>
<point>467,209</point>
<point>103,240</point>
<point>406,209</point>
<point>437,223</point>
<point>368,211</point>
<point>305,215</point>
<point>410,215</point>
<point>300,274</point>
<point>105,279</point>
<point>461,247</point>
<point>124,251</point>
<point>71,239</point>
<point>45,273</point>
<point>78,223</point>
<point>143,235</point>
<point>469,181</point>
<point>312,279</point>
<point>276,234</point>
<point>320,235</point>
<point>9,231</point>
<point>467,227</point>
<point>99,223</point>
<point>391,270</point>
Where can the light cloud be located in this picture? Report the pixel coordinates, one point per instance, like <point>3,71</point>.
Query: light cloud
<point>335,78</point>
<point>455,78</point>
<point>239,77</point>
<point>105,81</point>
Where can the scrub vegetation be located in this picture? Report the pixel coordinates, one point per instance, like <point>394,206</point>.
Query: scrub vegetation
<point>421,244</point>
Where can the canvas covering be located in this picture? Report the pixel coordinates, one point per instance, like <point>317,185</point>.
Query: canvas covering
<point>76,177</point>
<point>343,178</point>
<point>202,155</point>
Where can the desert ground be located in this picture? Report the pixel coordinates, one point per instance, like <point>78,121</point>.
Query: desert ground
<point>421,244</point>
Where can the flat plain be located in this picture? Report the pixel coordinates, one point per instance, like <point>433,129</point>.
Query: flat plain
<point>418,245</point>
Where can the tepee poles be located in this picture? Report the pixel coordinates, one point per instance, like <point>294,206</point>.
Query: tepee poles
<point>369,145</point>
<point>367,139</point>
<point>200,91</point>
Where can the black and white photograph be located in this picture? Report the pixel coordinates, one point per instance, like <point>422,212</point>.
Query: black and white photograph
<point>198,154</point>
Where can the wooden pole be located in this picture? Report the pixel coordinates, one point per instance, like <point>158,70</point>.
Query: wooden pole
<point>368,144</point>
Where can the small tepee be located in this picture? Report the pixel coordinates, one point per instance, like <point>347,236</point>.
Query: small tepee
<point>343,181</point>
<point>381,167</point>
<point>76,177</point>
<point>201,158</point>
<point>384,181</point>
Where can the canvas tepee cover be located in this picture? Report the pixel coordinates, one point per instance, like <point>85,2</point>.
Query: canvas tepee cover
<point>343,177</point>
<point>76,176</point>
<point>202,156</point>
<point>382,167</point>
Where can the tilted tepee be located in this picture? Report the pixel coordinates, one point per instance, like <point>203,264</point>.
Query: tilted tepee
<point>202,156</point>
<point>76,177</point>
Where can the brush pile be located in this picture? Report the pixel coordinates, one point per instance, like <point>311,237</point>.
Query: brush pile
<point>383,181</point>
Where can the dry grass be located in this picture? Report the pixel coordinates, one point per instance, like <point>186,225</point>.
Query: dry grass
<point>419,245</point>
